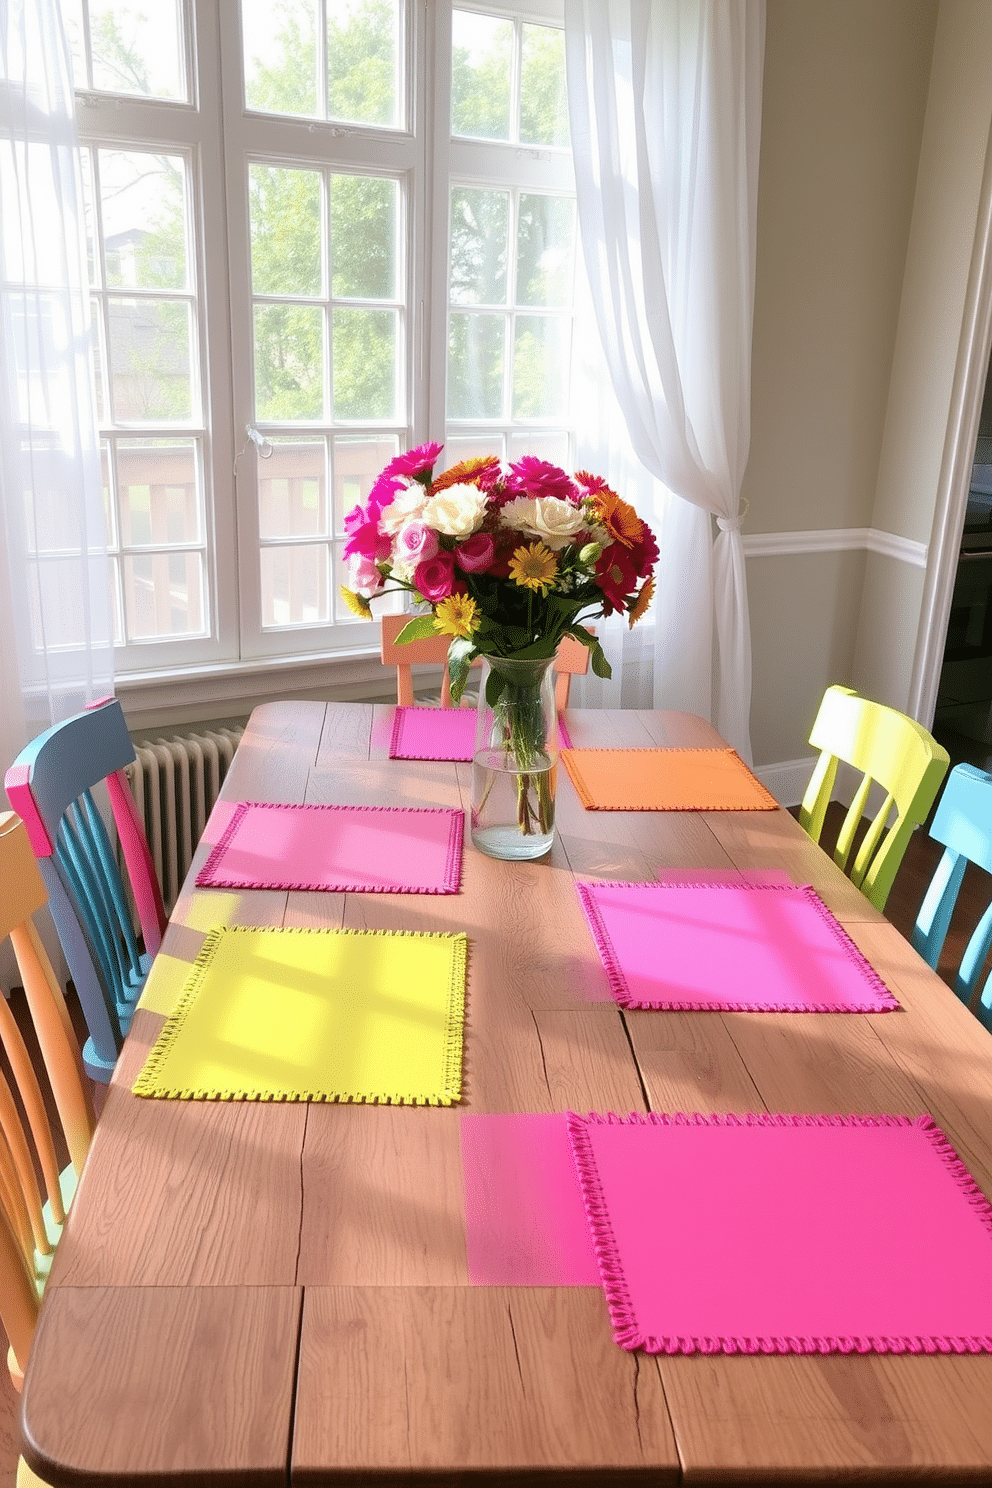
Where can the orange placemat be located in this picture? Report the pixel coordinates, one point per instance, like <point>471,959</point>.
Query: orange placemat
<point>665,780</point>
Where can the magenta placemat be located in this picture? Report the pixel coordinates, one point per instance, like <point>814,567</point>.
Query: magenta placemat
<point>728,948</point>
<point>441,734</point>
<point>372,849</point>
<point>780,1234</point>
<point>525,1222</point>
<point>432,733</point>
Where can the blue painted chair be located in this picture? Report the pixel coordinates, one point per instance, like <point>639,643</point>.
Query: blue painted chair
<point>963,823</point>
<point>50,785</point>
<point>890,750</point>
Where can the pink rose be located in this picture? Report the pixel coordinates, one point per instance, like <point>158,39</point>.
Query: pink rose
<point>415,543</point>
<point>435,578</point>
<point>364,576</point>
<point>476,553</point>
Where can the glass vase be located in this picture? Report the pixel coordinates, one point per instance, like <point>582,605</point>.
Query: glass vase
<point>515,760</point>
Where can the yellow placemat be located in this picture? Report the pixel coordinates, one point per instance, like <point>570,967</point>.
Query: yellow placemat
<point>665,780</point>
<point>300,1015</point>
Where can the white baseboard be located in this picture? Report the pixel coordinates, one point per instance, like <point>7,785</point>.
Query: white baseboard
<point>788,780</point>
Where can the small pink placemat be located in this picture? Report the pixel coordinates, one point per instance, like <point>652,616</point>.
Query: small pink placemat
<point>371,849</point>
<point>442,734</point>
<point>725,947</point>
<point>781,1234</point>
<point>432,733</point>
<point>525,1222</point>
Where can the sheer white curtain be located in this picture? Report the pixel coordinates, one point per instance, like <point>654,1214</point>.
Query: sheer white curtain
<point>56,629</point>
<point>665,107</point>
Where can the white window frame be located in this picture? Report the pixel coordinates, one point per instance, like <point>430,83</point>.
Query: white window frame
<point>221,137</point>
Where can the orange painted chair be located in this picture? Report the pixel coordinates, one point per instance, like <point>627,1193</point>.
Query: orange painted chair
<point>32,1213</point>
<point>571,659</point>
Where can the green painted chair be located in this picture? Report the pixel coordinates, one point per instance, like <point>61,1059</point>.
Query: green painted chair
<point>888,750</point>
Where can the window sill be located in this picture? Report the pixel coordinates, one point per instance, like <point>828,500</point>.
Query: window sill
<point>226,692</point>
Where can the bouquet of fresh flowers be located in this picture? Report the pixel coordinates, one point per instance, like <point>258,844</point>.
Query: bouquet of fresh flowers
<point>509,560</point>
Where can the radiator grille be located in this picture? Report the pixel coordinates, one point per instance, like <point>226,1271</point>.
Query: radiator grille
<point>175,782</point>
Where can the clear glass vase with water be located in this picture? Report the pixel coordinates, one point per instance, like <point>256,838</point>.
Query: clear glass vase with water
<point>515,760</point>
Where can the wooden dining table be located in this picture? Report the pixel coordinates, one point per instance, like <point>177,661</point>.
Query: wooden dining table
<point>258,1292</point>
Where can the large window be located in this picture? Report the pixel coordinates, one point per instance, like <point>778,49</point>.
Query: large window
<point>320,231</point>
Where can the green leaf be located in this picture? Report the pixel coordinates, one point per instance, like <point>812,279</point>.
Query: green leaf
<point>600,665</point>
<point>579,633</point>
<point>495,683</point>
<point>418,629</point>
<point>461,654</point>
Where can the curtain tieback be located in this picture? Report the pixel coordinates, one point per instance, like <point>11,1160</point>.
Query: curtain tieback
<point>733,524</point>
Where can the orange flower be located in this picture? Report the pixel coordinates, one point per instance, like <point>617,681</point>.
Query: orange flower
<point>618,517</point>
<point>644,598</point>
<point>466,472</point>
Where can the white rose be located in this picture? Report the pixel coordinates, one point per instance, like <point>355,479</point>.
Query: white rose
<point>554,521</point>
<point>406,506</point>
<point>457,512</point>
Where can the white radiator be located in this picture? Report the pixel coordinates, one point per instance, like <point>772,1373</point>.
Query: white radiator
<point>175,782</point>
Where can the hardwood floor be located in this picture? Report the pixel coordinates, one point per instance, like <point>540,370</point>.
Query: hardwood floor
<point>904,902</point>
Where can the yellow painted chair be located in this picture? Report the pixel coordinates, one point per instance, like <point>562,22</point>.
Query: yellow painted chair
<point>32,1214</point>
<point>571,659</point>
<point>890,750</point>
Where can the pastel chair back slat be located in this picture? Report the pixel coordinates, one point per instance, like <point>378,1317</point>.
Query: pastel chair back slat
<point>963,824</point>
<point>889,750</point>
<point>51,785</point>
<point>32,1213</point>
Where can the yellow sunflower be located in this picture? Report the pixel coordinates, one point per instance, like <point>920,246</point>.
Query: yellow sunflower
<point>618,517</point>
<point>357,604</point>
<point>458,615</point>
<point>533,567</point>
<point>639,607</point>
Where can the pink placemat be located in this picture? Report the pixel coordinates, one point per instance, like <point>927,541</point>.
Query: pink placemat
<point>432,734</point>
<point>728,948</point>
<point>525,1222</point>
<point>441,734</point>
<point>372,849</point>
<point>780,1234</point>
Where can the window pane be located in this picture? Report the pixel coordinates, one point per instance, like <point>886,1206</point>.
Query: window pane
<point>362,52</point>
<point>280,56</point>
<point>163,595</point>
<point>481,66</point>
<point>289,362</point>
<point>137,48</point>
<point>475,366</point>
<point>160,501</point>
<point>292,489</point>
<point>107,476</point>
<point>98,359</point>
<point>150,359</point>
<point>364,211</point>
<point>284,215</point>
<point>143,201</point>
<point>544,250</point>
<point>552,447</point>
<point>543,100</point>
<point>471,448</point>
<point>478,246</point>
<point>540,355</point>
<point>295,585</point>
<point>364,364</point>
<point>356,463</point>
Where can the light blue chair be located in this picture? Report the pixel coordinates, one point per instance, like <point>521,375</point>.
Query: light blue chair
<point>50,785</point>
<point>963,823</point>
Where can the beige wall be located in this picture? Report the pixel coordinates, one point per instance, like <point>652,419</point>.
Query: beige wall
<point>844,106</point>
